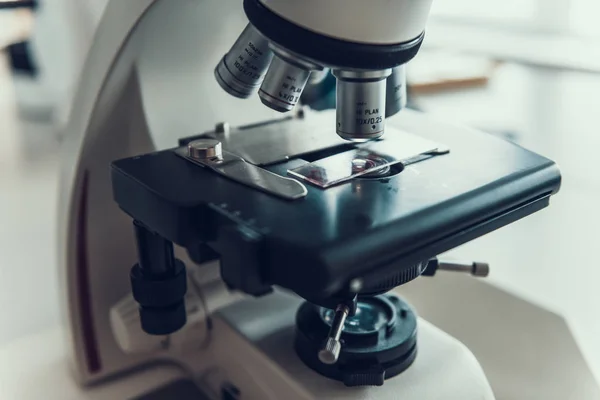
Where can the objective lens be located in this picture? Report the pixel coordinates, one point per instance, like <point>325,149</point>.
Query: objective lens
<point>395,93</point>
<point>317,77</point>
<point>361,103</point>
<point>243,68</point>
<point>285,80</point>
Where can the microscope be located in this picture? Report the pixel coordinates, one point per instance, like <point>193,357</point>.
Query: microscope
<point>255,245</point>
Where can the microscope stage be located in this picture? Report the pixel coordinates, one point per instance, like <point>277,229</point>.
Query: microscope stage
<point>365,228</point>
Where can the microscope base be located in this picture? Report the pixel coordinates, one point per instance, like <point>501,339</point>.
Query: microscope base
<point>252,344</point>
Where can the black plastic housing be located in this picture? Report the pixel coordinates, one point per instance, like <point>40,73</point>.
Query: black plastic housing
<point>365,228</point>
<point>365,359</point>
<point>329,50</point>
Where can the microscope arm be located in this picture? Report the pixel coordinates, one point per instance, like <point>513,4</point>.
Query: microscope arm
<point>107,99</point>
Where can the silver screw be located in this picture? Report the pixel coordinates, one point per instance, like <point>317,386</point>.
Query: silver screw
<point>330,352</point>
<point>205,149</point>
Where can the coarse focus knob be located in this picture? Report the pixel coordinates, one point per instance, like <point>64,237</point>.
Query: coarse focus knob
<point>205,149</point>
<point>126,326</point>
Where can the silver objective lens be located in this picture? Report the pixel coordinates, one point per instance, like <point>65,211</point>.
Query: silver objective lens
<point>243,68</point>
<point>360,103</point>
<point>285,80</point>
<point>395,93</point>
<point>317,77</point>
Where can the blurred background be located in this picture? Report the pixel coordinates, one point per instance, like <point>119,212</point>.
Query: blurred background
<point>526,70</point>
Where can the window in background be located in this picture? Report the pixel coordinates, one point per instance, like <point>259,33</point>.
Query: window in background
<point>476,10</point>
<point>559,17</point>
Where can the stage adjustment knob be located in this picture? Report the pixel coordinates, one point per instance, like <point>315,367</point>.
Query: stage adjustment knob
<point>330,352</point>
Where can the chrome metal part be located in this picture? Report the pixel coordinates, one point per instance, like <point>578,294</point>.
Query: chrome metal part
<point>397,147</point>
<point>317,77</point>
<point>395,92</point>
<point>285,80</point>
<point>330,352</point>
<point>205,149</point>
<point>478,269</point>
<point>237,169</point>
<point>241,71</point>
<point>380,173</point>
<point>361,104</point>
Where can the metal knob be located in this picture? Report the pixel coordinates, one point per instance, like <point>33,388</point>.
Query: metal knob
<point>205,149</point>
<point>479,269</point>
<point>330,352</point>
